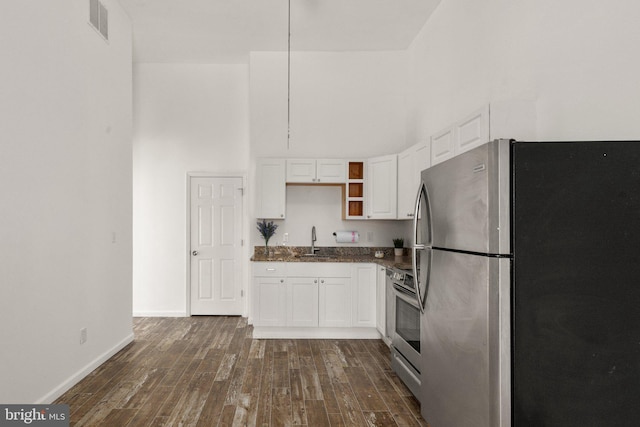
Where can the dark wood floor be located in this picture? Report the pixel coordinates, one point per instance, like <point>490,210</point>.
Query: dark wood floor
<point>208,371</point>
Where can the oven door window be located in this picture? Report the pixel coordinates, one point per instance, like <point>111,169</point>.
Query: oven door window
<point>408,323</point>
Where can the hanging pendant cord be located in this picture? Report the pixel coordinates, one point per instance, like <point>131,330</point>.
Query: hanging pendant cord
<point>289,77</point>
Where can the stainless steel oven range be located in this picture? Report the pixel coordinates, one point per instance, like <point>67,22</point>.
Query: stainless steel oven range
<point>405,337</point>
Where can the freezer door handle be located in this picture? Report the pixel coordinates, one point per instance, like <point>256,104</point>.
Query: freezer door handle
<point>419,216</point>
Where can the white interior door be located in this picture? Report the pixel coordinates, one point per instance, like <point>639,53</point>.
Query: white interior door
<point>216,245</point>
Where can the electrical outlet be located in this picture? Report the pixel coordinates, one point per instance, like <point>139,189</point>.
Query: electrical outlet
<point>369,236</point>
<point>83,335</point>
<point>285,238</point>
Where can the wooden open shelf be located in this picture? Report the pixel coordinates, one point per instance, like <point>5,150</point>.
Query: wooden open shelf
<point>355,189</point>
<point>356,170</point>
<point>355,208</point>
<point>354,205</point>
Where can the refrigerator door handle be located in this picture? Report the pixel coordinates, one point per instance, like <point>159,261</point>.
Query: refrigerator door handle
<point>422,283</point>
<point>414,258</point>
<point>421,246</point>
<point>422,194</point>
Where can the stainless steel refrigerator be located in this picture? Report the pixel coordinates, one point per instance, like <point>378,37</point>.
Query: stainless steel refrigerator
<point>527,258</point>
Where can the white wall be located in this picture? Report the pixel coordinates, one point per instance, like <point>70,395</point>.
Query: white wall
<point>65,180</point>
<point>343,105</point>
<point>322,206</point>
<point>574,62</point>
<point>187,118</point>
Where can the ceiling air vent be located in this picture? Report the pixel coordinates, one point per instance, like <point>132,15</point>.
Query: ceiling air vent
<point>99,17</point>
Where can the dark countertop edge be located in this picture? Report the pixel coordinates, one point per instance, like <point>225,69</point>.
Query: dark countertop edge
<point>397,262</point>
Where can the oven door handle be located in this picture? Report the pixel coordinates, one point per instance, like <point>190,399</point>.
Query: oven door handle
<point>406,296</point>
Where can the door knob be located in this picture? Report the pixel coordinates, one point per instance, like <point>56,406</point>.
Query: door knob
<point>194,253</point>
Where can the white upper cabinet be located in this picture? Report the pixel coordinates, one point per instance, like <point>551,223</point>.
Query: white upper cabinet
<point>422,160</point>
<point>316,171</point>
<point>411,162</point>
<point>442,146</point>
<point>472,131</point>
<point>331,170</point>
<point>271,197</point>
<point>382,187</point>
<point>468,133</point>
<point>405,183</point>
<point>301,170</point>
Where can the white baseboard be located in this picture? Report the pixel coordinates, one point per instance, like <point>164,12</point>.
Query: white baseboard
<point>75,378</point>
<point>264,332</point>
<point>159,314</point>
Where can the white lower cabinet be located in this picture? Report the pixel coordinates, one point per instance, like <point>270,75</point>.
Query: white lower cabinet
<point>321,291</point>
<point>269,293</point>
<point>269,298</point>
<point>381,300</point>
<point>318,301</point>
<point>363,290</point>
<point>302,301</point>
<point>335,309</point>
<point>334,298</point>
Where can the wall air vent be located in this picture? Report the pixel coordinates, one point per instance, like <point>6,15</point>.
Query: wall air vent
<point>99,17</point>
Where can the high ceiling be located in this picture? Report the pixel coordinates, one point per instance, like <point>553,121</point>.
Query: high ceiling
<point>225,31</point>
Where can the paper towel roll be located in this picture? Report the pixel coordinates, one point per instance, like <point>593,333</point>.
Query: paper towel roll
<point>347,236</point>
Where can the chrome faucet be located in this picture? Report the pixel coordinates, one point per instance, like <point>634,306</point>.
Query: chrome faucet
<point>313,240</point>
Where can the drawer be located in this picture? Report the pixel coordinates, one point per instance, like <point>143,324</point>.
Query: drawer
<point>319,269</point>
<point>269,269</point>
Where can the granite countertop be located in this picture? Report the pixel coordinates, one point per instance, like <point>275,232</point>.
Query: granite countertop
<point>332,254</point>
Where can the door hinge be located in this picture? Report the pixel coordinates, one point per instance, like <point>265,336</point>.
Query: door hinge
<point>241,293</point>
<point>241,242</point>
<point>241,190</point>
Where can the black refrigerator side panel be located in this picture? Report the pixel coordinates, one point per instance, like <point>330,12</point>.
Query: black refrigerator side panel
<point>576,284</point>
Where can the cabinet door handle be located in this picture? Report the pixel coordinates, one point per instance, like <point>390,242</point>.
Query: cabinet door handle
<point>315,281</point>
<point>281,280</point>
<point>281,215</point>
<point>321,281</point>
